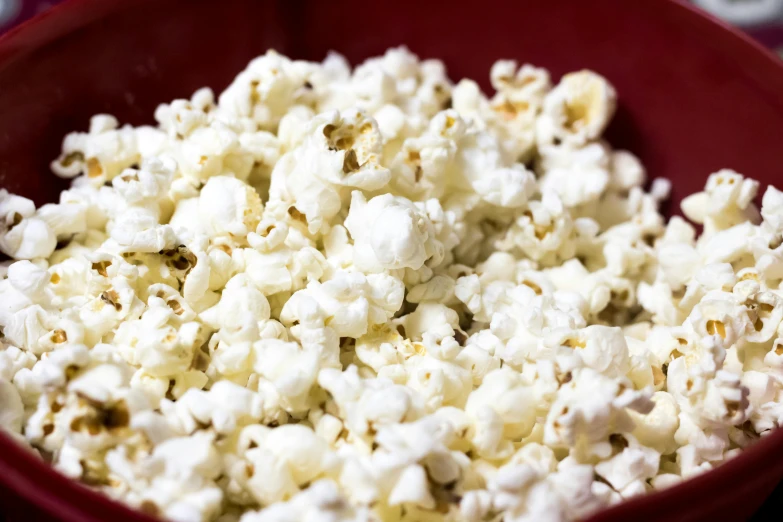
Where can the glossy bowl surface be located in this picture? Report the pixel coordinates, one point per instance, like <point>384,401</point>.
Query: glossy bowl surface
<point>695,96</point>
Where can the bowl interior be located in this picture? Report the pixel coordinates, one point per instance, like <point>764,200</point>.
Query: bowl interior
<point>693,97</point>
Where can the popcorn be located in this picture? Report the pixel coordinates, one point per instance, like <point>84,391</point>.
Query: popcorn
<point>264,91</point>
<point>502,409</point>
<point>510,187</point>
<point>726,201</point>
<point>291,130</point>
<point>369,294</point>
<point>577,110</point>
<point>341,152</point>
<point>545,232</point>
<point>229,206</point>
<point>27,327</point>
<point>390,233</point>
<point>520,95</point>
<point>239,311</point>
<point>225,406</point>
<point>656,429</point>
<point>289,368</point>
<point>101,383</point>
<point>603,349</point>
<point>100,154</point>
<point>65,219</point>
<point>11,407</point>
<point>181,117</point>
<point>771,208</point>
<point>160,342</point>
<point>634,463</point>
<point>349,303</point>
<point>185,489</point>
<point>367,404</point>
<point>282,460</point>
<point>627,171</point>
<point>321,501</point>
<point>590,408</point>
<point>578,177</point>
<point>23,235</point>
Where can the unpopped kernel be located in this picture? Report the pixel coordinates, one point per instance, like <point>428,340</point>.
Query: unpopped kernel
<point>371,294</point>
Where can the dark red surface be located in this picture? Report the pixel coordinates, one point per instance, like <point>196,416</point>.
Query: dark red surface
<point>695,96</point>
<point>769,35</point>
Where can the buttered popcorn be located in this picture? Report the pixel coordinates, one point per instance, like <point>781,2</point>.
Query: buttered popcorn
<point>373,295</point>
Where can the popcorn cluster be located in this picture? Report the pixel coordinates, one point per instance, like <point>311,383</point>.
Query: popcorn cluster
<point>374,295</point>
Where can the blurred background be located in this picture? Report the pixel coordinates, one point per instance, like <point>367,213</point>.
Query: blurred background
<point>762,19</point>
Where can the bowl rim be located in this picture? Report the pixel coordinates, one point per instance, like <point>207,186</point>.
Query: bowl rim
<point>24,474</point>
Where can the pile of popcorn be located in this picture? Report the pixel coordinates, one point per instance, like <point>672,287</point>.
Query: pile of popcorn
<point>374,295</point>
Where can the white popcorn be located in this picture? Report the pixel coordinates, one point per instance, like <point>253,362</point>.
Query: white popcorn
<point>65,220</point>
<point>100,154</point>
<point>240,310</point>
<point>284,459</point>
<point>321,501</point>
<point>101,383</point>
<point>228,206</point>
<point>181,117</point>
<point>349,303</point>
<point>161,342</point>
<point>213,150</point>
<point>290,368</point>
<point>544,232</point>
<point>577,110</point>
<point>510,187</point>
<point>336,294</point>
<point>726,202</point>
<point>389,233</point>
<point>772,208</point>
<point>512,111</point>
<point>341,152</point>
<point>633,463</point>
<point>502,408</point>
<point>27,282</point>
<point>368,404</point>
<point>292,129</point>
<point>185,489</point>
<point>24,235</point>
<point>225,406</point>
<point>626,171</point>
<point>603,349</point>
<point>264,91</point>
<point>591,407</point>
<point>577,176</point>
<point>412,488</point>
<point>11,407</point>
<point>656,429</point>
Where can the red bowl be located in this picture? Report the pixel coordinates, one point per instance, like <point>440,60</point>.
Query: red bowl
<point>695,96</point>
